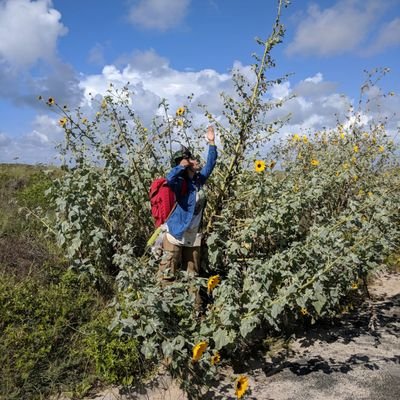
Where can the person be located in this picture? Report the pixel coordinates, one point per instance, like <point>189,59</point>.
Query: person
<point>182,241</point>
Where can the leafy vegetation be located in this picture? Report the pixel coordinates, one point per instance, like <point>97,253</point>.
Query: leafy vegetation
<point>54,325</point>
<point>292,229</point>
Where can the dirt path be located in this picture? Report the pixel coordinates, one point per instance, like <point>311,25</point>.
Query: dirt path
<point>357,358</point>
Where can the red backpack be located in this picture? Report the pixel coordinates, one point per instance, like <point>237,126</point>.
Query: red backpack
<point>162,200</point>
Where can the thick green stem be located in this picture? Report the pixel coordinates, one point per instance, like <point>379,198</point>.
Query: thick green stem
<point>241,145</point>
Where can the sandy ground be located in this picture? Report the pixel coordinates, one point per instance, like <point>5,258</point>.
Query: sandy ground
<point>356,358</point>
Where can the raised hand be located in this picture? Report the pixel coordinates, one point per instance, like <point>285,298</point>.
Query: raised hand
<point>210,135</point>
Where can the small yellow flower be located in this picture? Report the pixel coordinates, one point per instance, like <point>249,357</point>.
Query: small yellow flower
<point>179,122</point>
<point>337,173</point>
<point>259,166</point>
<point>246,245</point>
<point>353,160</point>
<point>63,121</point>
<point>145,129</point>
<point>370,194</point>
<point>296,188</point>
<point>98,114</point>
<point>342,136</point>
<point>104,104</point>
<point>213,281</point>
<point>216,358</point>
<point>305,139</point>
<point>356,149</point>
<point>241,385</point>
<point>361,192</point>
<point>84,121</point>
<point>346,166</point>
<point>50,101</point>
<point>303,311</point>
<point>381,149</point>
<point>272,164</point>
<point>180,111</point>
<point>198,350</point>
<point>355,178</point>
<point>354,285</point>
<point>296,138</point>
<point>314,162</point>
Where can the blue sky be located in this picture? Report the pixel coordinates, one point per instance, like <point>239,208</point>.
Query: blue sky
<point>171,48</point>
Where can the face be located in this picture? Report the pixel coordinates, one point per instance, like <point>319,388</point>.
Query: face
<point>195,165</point>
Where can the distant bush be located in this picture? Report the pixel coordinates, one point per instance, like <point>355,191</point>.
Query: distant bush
<point>54,337</point>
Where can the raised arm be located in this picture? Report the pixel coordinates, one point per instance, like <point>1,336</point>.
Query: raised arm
<point>211,156</point>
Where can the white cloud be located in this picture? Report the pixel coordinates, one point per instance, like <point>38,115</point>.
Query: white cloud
<point>4,140</point>
<point>158,14</point>
<point>150,77</point>
<point>28,31</point>
<point>335,30</point>
<point>36,146</point>
<point>280,91</point>
<point>388,36</point>
<point>317,103</point>
<point>96,54</point>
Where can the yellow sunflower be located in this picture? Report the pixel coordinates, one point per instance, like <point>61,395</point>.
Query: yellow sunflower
<point>213,281</point>
<point>381,149</point>
<point>180,111</point>
<point>216,358</point>
<point>179,122</point>
<point>259,166</point>
<point>50,101</point>
<point>303,311</point>
<point>354,285</point>
<point>296,138</point>
<point>241,385</point>
<point>314,162</point>
<point>356,149</point>
<point>198,350</point>
<point>305,139</point>
<point>63,121</point>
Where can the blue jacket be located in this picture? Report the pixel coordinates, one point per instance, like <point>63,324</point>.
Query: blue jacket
<point>181,217</point>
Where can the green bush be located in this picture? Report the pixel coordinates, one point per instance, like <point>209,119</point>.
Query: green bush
<point>291,231</point>
<point>39,326</point>
<point>117,359</point>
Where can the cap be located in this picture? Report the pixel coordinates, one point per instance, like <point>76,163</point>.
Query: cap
<point>179,155</point>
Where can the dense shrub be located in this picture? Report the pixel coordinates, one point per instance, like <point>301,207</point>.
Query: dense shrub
<point>290,231</point>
